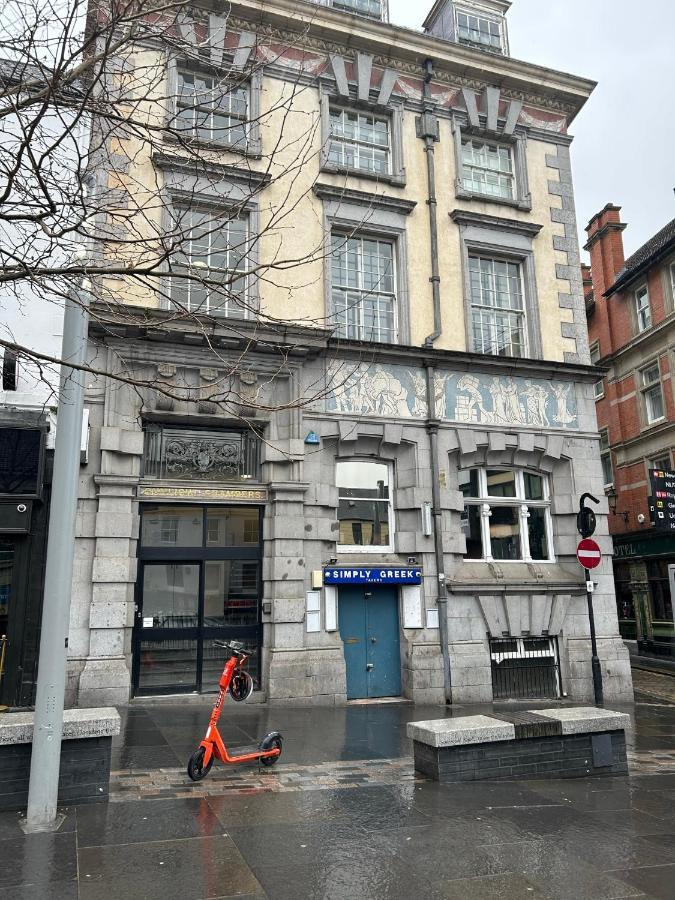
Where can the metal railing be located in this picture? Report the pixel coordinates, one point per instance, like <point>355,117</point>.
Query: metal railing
<point>525,668</point>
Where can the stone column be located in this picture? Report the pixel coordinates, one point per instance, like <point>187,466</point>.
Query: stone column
<point>106,676</point>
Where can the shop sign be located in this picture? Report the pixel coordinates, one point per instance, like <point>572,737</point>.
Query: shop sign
<point>662,501</point>
<point>207,494</point>
<point>372,575</point>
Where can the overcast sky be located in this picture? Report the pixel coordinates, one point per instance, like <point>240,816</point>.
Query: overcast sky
<point>624,147</point>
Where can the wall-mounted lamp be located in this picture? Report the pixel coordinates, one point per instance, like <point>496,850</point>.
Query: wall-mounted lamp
<point>612,498</point>
<point>313,439</point>
<point>332,561</point>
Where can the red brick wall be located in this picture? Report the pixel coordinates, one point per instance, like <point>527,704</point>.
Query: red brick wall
<point>613,324</point>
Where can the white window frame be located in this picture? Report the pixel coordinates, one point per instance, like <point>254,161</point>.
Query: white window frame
<point>489,257</point>
<point>486,17</point>
<point>648,388</point>
<point>360,548</point>
<point>599,386</point>
<point>357,143</point>
<point>242,311</point>
<point>485,503</point>
<point>606,453</point>
<point>212,109</point>
<point>653,462</point>
<point>672,279</point>
<point>470,185</point>
<point>643,310</point>
<point>346,6</point>
<point>393,112</point>
<point>363,292</point>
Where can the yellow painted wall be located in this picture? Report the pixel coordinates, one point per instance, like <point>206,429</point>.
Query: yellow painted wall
<point>292,244</point>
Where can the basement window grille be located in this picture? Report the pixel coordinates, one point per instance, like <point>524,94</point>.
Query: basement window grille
<point>525,668</point>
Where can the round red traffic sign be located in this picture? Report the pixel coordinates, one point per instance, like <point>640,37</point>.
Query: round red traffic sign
<point>588,554</point>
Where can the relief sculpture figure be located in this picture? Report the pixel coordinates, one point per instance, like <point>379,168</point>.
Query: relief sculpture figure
<point>471,408</point>
<point>537,400</point>
<point>563,416</point>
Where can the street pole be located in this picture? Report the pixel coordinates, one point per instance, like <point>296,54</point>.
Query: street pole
<point>595,661</point>
<point>51,682</point>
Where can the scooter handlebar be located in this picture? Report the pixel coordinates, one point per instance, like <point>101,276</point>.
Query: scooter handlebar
<point>234,648</point>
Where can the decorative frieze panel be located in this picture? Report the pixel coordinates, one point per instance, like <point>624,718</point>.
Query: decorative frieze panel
<point>222,40</point>
<point>399,392</point>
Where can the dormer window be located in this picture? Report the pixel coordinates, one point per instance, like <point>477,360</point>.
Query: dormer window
<point>371,8</point>
<point>479,31</point>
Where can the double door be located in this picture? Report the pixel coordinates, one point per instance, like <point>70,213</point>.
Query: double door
<point>199,579</point>
<point>369,627</point>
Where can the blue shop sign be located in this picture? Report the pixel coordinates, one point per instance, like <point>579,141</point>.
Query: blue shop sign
<point>372,575</point>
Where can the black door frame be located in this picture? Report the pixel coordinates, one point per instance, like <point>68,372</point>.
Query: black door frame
<point>201,633</point>
<point>16,616</point>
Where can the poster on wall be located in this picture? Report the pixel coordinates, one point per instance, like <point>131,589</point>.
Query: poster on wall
<point>662,500</point>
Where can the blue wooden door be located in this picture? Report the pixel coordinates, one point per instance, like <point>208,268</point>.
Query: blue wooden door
<point>369,627</point>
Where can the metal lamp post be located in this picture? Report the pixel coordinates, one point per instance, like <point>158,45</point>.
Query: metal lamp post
<point>51,682</point>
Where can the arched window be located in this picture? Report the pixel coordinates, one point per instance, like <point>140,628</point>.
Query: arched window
<point>364,512</point>
<point>507,515</point>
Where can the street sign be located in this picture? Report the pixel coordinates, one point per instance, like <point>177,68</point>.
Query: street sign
<point>662,501</point>
<point>372,575</point>
<point>588,554</point>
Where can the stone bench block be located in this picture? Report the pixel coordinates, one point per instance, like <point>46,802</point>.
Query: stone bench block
<point>84,774</point>
<point>555,743</point>
<point>463,730</point>
<point>586,719</point>
<point>17,728</point>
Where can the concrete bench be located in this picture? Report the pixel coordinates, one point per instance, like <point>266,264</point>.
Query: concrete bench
<point>547,743</point>
<point>85,756</point>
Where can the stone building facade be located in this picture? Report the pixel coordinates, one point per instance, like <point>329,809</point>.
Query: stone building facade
<point>630,304</point>
<point>409,469</point>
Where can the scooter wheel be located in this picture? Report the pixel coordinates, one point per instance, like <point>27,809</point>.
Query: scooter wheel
<point>196,768</point>
<point>272,760</point>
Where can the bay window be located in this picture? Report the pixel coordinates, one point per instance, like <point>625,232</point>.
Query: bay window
<point>507,515</point>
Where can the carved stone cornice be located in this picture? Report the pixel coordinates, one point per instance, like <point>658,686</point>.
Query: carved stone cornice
<point>341,194</point>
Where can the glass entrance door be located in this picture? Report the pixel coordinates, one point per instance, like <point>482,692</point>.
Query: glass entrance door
<point>199,579</point>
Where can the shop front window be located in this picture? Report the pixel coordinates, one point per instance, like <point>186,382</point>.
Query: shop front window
<point>659,592</point>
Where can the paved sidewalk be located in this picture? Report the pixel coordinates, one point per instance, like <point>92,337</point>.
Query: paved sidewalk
<point>344,817</point>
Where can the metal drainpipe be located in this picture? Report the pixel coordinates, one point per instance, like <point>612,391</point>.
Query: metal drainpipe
<point>427,129</point>
<point>437,516</point>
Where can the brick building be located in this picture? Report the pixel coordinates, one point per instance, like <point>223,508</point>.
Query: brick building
<point>631,321</point>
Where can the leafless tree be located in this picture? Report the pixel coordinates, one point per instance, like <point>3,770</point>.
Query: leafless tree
<point>93,115</point>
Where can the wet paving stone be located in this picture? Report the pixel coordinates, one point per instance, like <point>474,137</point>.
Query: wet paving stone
<point>654,881</point>
<point>38,860</point>
<point>556,870</point>
<point>489,887</point>
<point>206,867</point>
<point>135,822</point>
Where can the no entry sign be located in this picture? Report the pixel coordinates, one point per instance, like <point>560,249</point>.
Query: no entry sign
<point>588,554</point>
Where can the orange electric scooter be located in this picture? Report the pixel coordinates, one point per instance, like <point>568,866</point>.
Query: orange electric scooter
<point>239,684</point>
